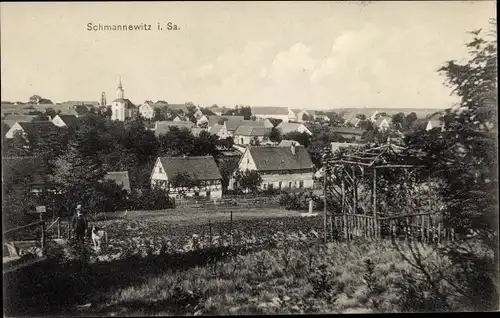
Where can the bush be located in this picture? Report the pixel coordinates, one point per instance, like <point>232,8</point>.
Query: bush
<point>150,199</point>
<point>300,201</point>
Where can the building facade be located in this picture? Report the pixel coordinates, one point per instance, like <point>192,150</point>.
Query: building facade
<point>206,180</point>
<point>122,108</point>
<point>280,168</point>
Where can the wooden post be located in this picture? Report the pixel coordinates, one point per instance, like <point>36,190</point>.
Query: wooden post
<point>452,234</point>
<point>422,221</point>
<point>42,243</point>
<point>439,233</point>
<point>354,193</point>
<point>344,225</point>
<point>231,227</point>
<point>59,228</point>
<point>374,191</point>
<point>406,229</point>
<point>324,202</point>
<point>69,229</point>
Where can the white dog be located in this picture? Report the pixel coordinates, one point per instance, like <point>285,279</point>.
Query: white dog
<point>98,236</point>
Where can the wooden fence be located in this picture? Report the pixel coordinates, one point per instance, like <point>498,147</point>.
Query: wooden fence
<point>424,227</point>
<point>259,202</point>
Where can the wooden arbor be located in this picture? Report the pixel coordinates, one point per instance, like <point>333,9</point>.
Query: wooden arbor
<point>366,185</point>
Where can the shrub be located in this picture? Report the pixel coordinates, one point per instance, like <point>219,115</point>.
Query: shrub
<point>150,199</point>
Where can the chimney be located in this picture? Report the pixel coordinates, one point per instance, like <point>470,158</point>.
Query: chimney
<point>293,147</point>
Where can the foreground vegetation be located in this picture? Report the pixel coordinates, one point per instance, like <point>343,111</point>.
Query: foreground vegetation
<point>272,266</point>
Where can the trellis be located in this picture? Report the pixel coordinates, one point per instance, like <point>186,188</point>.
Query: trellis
<point>355,177</point>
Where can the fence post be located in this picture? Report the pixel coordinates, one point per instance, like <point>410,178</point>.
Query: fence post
<point>69,229</point>
<point>42,243</point>
<point>231,227</point>
<point>59,228</point>
<point>422,228</point>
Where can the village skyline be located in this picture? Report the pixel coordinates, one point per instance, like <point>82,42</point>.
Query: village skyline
<point>262,54</point>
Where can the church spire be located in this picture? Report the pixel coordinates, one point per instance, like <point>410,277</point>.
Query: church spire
<point>120,93</point>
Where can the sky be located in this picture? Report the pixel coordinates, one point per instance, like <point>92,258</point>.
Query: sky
<point>312,55</point>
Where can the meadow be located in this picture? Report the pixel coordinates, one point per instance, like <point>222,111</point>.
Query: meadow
<point>267,266</point>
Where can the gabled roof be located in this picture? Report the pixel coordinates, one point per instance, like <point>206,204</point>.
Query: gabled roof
<point>252,131</point>
<point>69,120</point>
<point>288,143</point>
<point>232,121</point>
<point>347,130</point>
<point>38,128</point>
<point>268,158</point>
<point>286,128</point>
<point>380,119</point>
<point>162,127</point>
<point>215,129</point>
<point>269,110</point>
<point>14,168</point>
<point>10,120</point>
<point>199,168</point>
<point>120,177</point>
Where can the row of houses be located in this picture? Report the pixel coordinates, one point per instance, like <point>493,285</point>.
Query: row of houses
<point>383,121</point>
<point>281,168</point>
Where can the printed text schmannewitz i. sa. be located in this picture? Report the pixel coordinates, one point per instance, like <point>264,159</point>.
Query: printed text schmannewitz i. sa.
<point>169,26</point>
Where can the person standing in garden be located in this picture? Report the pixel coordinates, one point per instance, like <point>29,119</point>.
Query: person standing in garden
<point>79,224</point>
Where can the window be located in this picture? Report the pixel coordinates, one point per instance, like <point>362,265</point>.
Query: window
<point>279,184</point>
<point>160,170</point>
<point>241,140</point>
<point>301,184</point>
<point>271,186</point>
<point>265,186</point>
<point>290,184</point>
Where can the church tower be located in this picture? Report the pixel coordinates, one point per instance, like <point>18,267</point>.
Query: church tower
<point>119,104</point>
<point>103,99</point>
<point>120,93</point>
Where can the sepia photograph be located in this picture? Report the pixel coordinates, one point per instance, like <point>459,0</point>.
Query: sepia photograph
<point>249,158</point>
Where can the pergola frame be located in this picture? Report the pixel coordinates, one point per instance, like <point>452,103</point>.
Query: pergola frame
<point>351,168</point>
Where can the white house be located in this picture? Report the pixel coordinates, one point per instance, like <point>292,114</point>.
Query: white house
<point>271,112</point>
<point>245,135</point>
<point>279,167</point>
<point>220,131</point>
<point>121,107</point>
<point>299,115</point>
<point>202,120</point>
<point>147,110</point>
<point>286,128</point>
<point>435,121</point>
<point>202,171</point>
<point>383,122</point>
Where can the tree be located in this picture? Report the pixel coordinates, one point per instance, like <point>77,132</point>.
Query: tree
<point>464,159</point>
<point>255,141</point>
<point>275,135</point>
<point>410,119</point>
<point>303,138</point>
<point>222,120</point>
<point>227,168</point>
<point>183,181</point>
<point>248,180</point>
<point>50,112</point>
<point>177,142</point>
<point>35,99</point>
<point>206,144</point>
<point>399,120</point>
<point>361,116</point>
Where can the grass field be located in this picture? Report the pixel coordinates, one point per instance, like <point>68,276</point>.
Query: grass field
<point>273,265</point>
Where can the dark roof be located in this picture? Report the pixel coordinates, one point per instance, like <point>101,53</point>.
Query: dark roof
<point>252,131</point>
<point>38,127</point>
<point>120,177</point>
<point>199,168</point>
<point>162,127</point>
<point>269,110</point>
<point>69,120</point>
<point>232,122</point>
<point>14,168</point>
<point>280,158</point>
<point>10,120</point>
<point>347,130</point>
